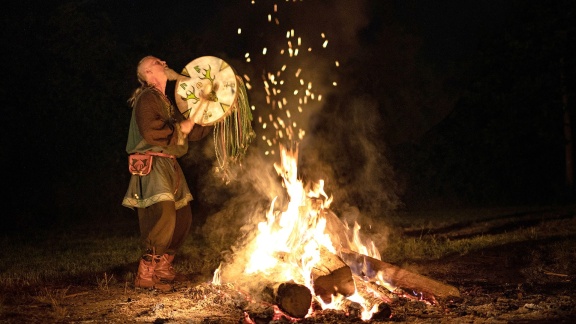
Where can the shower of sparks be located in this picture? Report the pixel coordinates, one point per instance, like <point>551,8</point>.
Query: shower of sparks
<point>289,90</point>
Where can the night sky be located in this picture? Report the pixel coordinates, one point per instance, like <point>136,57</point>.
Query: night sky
<point>437,103</point>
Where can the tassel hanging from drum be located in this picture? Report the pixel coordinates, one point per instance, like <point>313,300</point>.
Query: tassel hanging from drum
<point>214,95</point>
<point>234,133</point>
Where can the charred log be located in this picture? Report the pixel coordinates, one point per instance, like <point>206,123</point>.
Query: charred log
<point>384,312</point>
<point>373,291</point>
<point>293,299</point>
<point>286,298</point>
<point>397,276</point>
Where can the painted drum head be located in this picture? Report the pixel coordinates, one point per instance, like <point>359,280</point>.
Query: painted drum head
<point>207,91</point>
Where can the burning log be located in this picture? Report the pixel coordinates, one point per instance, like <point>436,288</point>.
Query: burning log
<point>332,276</point>
<point>374,295</point>
<point>293,299</point>
<point>370,290</point>
<point>399,277</point>
<point>290,298</point>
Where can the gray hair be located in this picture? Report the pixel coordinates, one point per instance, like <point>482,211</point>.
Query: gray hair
<point>141,80</point>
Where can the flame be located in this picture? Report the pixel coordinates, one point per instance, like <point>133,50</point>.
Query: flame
<point>288,243</point>
<point>216,279</point>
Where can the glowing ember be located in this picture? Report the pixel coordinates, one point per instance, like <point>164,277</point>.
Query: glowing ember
<point>290,243</point>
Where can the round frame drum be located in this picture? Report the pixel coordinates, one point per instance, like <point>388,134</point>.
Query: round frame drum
<point>207,91</point>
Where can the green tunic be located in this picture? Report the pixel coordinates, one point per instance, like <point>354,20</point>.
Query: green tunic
<point>154,127</point>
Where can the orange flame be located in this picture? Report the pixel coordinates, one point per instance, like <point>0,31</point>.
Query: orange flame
<point>288,243</point>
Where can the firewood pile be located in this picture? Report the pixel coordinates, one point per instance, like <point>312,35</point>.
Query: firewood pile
<point>332,276</point>
<point>326,271</point>
<point>236,306</point>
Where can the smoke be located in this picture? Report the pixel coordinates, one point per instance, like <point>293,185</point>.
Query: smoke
<point>233,227</point>
<point>345,147</point>
<point>340,130</point>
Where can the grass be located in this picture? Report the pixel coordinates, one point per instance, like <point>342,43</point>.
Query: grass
<point>54,256</point>
<point>99,257</point>
<point>54,297</point>
<point>432,244</point>
<point>432,247</point>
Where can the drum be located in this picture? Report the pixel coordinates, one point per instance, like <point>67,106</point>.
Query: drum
<point>211,94</point>
<point>208,90</point>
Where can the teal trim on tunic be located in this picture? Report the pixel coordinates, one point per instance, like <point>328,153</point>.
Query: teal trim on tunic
<point>158,185</point>
<point>166,181</point>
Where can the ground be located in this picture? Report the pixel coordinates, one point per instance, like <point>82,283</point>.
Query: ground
<point>524,282</point>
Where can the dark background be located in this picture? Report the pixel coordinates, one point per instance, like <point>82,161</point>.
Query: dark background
<point>441,104</point>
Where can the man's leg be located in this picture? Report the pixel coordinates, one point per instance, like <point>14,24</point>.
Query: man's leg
<point>157,223</point>
<point>165,268</point>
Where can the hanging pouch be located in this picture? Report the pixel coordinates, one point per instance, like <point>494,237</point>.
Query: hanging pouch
<point>140,164</point>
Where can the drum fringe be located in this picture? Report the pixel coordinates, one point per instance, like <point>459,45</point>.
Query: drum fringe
<point>234,133</point>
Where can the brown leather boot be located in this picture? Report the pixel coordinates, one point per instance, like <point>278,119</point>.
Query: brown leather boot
<point>165,272</point>
<point>145,272</point>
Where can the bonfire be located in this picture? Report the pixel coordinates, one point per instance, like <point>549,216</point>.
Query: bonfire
<point>304,260</point>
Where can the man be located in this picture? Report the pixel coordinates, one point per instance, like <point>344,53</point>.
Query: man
<point>158,135</point>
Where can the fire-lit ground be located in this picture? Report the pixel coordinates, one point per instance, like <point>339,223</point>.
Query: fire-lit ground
<point>527,281</point>
<point>309,261</point>
<point>335,275</point>
<point>530,277</point>
<point>515,283</point>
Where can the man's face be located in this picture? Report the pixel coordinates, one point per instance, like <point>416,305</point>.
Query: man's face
<point>153,70</point>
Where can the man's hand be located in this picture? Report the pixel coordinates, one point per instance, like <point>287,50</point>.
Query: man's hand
<point>186,126</point>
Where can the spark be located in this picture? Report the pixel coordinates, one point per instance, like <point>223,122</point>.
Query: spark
<point>292,77</point>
